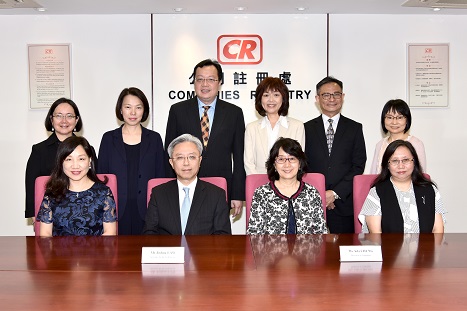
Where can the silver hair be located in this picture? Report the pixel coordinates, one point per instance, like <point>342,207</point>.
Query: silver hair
<point>184,138</point>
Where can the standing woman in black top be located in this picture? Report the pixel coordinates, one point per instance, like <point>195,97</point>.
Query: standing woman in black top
<point>62,120</point>
<point>135,155</point>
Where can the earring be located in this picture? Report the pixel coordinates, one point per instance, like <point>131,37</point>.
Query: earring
<point>74,130</point>
<point>53,129</point>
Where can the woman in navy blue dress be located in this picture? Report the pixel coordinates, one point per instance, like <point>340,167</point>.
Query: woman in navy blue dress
<point>135,155</point>
<point>76,202</point>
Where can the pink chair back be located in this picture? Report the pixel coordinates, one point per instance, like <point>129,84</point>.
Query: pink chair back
<point>218,181</point>
<point>39,191</point>
<point>361,188</point>
<point>253,181</point>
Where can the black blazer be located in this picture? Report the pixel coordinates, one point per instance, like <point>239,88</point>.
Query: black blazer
<point>209,213</point>
<point>151,164</point>
<point>41,163</point>
<point>226,141</point>
<point>347,159</point>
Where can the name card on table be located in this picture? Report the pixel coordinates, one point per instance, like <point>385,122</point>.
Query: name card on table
<point>361,253</point>
<point>163,255</point>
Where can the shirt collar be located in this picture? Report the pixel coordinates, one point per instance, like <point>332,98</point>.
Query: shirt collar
<point>282,121</point>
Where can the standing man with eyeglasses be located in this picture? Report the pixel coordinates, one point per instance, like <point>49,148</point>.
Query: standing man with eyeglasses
<point>219,125</point>
<point>187,205</point>
<point>335,147</point>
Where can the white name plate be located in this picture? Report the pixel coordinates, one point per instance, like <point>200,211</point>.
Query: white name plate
<point>361,253</point>
<point>163,255</point>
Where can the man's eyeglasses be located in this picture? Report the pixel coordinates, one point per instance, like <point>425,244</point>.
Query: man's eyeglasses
<point>60,117</point>
<point>207,80</point>
<point>282,160</point>
<point>396,162</point>
<point>327,96</point>
<point>181,159</point>
<point>397,118</point>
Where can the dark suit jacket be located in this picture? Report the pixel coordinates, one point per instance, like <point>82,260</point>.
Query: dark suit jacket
<point>112,158</point>
<point>209,213</point>
<point>41,163</point>
<point>226,141</point>
<point>347,159</point>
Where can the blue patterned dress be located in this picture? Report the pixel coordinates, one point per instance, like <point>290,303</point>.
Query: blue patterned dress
<point>79,213</point>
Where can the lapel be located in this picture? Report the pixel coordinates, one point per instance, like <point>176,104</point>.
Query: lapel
<point>193,119</point>
<point>339,134</point>
<point>174,206</point>
<point>319,131</point>
<point>283,130</point>
<point>262,133</point>
<point>219,116</point>
<point>118,143</point>
<point>196,205</point>
<point>144,143</point>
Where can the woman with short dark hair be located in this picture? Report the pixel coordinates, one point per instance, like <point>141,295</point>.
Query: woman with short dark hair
<point>134,154</point>
<point>63,118</point>
<point>272,103</point>
<point>396,120</point>
<point>286,205</point>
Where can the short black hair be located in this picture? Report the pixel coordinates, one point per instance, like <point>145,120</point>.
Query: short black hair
<point>292,147</point>
<point>48,118</point>
<point>272,84</point>
<point>399,106</point>
<point>135,92</point>
<point>209,62</point>
<point>326,80</point>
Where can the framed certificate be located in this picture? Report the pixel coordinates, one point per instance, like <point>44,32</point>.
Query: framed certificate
<point>428,75</point>
<point>49,74</point>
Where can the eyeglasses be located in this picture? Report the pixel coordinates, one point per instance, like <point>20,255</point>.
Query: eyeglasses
<point>208,80</point>
<point>396,162</point>
<point>397,118</point>
<point>282,160</point>
<point>327,96</point>
<point>181,159</point>
<point>60,117</point>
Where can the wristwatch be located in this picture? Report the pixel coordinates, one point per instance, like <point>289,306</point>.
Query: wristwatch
<point>336,197</point>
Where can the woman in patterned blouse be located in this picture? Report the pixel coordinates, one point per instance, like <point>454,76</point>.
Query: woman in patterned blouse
<point>76,202</point>
<point>286,204</point>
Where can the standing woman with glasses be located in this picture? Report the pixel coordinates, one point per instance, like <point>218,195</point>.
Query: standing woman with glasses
<point>135,155</point>
<point>402,199</point>
<point>286,204</point>
<point>62,120</point>
<point>272,103</point>
<point>395,122</point>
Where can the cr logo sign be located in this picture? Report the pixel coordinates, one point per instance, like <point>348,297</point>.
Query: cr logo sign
<point>239,49</point>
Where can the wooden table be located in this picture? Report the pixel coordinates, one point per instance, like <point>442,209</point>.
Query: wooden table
<point>418,272</point>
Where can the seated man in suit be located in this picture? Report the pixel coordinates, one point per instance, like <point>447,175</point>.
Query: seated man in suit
<point>187,205</point>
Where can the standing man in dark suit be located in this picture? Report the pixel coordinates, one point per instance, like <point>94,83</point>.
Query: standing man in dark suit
<point>335,149</point>
<point>218,124</point>
<point>187,205</point>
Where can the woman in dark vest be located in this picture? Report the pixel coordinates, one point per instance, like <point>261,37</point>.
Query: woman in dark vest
<point>402,184</point>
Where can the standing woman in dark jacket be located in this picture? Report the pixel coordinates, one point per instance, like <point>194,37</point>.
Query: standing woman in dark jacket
<point>135,155</point>
<point>62,120</point>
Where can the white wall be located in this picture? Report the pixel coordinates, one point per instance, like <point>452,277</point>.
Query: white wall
<point>368,52</point>
<point>109,53</point>
<point>299,48</point>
